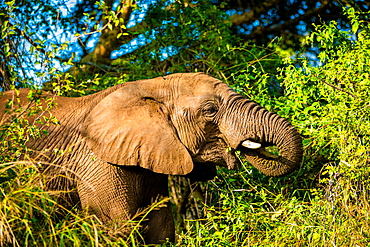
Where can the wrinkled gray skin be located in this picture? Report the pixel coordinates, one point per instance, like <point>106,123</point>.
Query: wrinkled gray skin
<point>124,141</point>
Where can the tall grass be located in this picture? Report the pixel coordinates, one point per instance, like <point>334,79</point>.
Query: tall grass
<point>32,216</point>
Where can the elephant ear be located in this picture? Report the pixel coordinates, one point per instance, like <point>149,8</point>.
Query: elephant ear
<point>127,129</point>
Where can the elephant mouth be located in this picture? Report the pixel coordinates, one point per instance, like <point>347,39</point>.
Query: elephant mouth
<point>216,152</point>
<point>264,156</point>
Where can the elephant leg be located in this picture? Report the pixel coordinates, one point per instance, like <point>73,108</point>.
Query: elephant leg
<point>116,193</point>
<point>104,192</point>
<point>160,225</point>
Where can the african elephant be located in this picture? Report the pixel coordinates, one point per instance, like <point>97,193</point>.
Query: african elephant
<point>123,142</point>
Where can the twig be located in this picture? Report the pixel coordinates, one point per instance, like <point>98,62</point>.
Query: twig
<point>259,59</point>
<point>28,38</point>
<point>34,44</point>
<point>340,89</point>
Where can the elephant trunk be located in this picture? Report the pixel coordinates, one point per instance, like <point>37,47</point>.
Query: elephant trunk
<point>280,133</point>
<point>257,129</point>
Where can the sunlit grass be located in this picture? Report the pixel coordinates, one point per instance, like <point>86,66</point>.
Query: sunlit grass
<point>30,216</point>
<point>282,221</point>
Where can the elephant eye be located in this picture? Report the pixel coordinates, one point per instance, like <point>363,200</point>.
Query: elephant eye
<point>209,110</point>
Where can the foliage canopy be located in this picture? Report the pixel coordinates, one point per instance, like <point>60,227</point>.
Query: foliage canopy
<point>97,40</point>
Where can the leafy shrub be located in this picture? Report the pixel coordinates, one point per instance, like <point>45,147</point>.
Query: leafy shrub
<point>325,203</point>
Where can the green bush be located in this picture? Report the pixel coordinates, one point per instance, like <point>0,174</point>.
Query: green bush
<point>326,202</point>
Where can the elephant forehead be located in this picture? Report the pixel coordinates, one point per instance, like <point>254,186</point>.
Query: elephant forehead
<point>194,102</point>
<point>200,88</point>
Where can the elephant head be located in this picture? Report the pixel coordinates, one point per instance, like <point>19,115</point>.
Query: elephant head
<point>178,123</point>
<point>121,141</point>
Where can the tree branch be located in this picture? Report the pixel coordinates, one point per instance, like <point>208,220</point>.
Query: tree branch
<point>33,43</point>
<point>108,40</point>
<point>262,30</point>
<point>5,83</point>
<point>28,38</point>
<point>253,14</point>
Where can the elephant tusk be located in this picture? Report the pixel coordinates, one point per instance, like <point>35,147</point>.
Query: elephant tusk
<point>251,145</point>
